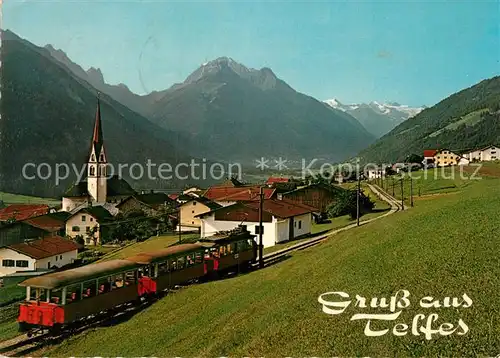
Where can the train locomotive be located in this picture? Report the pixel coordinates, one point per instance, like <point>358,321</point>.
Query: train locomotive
<point>60,300</point>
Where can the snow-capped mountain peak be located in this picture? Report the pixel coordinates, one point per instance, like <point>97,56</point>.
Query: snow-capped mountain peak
<point>378,118</point>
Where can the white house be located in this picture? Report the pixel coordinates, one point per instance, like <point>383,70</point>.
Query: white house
<point>282,220</point>
<point>375,173</point>
<point>86,220</point>
<point>37,254</point>
<point>489,153</point>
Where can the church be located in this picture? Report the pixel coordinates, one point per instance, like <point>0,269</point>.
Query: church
<point>97,189</point>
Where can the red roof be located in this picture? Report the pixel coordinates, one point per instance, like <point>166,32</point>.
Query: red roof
<point>273,180</point>
<point>282,208</point>
<point>429,153</point>
<point>173,196</point>
<point>249,193</point>
<point>249,211</point>
<point>46,223</point>
<point>23,211</point>
<point>50,246</point>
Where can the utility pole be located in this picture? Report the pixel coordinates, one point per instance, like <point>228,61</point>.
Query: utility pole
<point>179,223</point>
<point>393,187</point>
<point>357,199</point>
<point>402,196</point>
<point>411,192</point>
<point>261,229</point>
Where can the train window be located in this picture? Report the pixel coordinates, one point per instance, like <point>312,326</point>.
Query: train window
<point>222,250</point>
<point>229,249</point>
<point>103,285</point>
<point>89,289</point>
<point>117,281</point>
<point>189,260</point>
<point>162,267</point>
<point>73,293</point>
<point>198,258</point>
<point>56,296</point>
<point>181,263</point>
<point>130,278</point>
<point>173,265</point>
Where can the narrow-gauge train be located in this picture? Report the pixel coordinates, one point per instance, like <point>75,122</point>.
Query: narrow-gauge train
<point>58,300</point>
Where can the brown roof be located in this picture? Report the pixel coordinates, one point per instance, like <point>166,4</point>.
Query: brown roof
<point>248,193</point>
<point>429,153</point>
<point>148,257</point>
<point>79,274</point>
<point>46,223</point>
<point>23,211</point>
<point>249,211</point>
<point>47,247</point>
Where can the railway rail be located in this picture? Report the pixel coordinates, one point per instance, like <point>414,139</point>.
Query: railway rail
<point>23,345</point>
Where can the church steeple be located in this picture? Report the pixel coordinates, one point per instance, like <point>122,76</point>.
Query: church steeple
<point>96,181</point>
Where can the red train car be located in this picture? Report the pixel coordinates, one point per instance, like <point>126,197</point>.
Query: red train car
<point>59,299</point>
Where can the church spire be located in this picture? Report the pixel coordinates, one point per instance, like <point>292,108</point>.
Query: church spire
<point>97,139</point>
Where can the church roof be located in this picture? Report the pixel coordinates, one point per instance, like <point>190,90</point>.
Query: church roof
<point>115,187</point>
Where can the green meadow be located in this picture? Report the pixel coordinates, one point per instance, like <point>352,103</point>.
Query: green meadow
<point>9,198</point>
<point>446,246</point>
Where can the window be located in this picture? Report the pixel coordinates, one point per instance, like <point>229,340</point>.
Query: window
<point>162,267</point>
<point>194,202</point>
<point>300,224</point>
<point>101,158</point>
<point>92,158</point>
<point>91,219</point>
<point>87,228</point>
<point>8,263</point>
<point>92,170</point>
<point>21,263</point>
<point>192,222</point>
<point>84,218</point>
<point>56,258</point>
<point>75,228</point>
<point>192,211</point>
<point>60,257</point>
<point>181,263</point>
<point>295,224</point>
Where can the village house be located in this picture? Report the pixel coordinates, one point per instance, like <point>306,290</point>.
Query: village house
<point>282,220</point>
<point>428,161</point>
<point>39,254</point>
<point>87,223</point>
<point>150,203</point>
<point>489,153</point>
<point>445,157</point>
<point>189,211</point>
<point>97,188</point>
<point>32,228</point>
<point>375,173</point>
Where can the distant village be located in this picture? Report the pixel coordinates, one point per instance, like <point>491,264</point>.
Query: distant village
<point>100,210</point>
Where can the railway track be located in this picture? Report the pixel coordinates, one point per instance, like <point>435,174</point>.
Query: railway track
<point>22,345</point>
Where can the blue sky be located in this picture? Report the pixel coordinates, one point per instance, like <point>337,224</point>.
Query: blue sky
<point>412,52</point>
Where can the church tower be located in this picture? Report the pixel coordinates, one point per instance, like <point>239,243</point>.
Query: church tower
<point>96,178</point>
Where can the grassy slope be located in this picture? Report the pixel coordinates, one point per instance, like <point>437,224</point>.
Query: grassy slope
<point>8,198</point>
<point>443,247</point>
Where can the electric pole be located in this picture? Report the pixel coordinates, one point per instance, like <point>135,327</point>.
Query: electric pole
<point>179,223</point>
<point>402,196</point>
<point>261,208</point>
<point>393,187</point>
<point>411,192</point>
<point>357,198</point>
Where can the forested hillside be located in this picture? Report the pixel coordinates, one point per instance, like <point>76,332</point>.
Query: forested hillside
<point>467,119</point>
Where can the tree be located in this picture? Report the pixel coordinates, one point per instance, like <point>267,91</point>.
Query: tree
<point>346,204</point>
<point>414,158</point>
